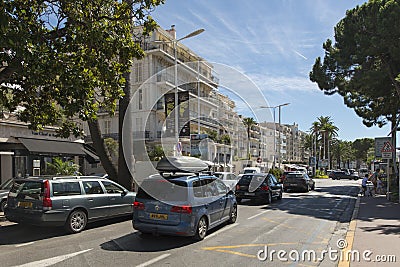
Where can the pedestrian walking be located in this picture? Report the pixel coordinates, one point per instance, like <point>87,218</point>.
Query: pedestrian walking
<point>364,184</point>
<point>374,178</point>
<point>379,186</point>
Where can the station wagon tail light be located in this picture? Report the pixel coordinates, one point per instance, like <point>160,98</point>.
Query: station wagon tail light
<point>264,188</point>
<point>182,209</point>
<point>138,205</point>
<point>47,204</point>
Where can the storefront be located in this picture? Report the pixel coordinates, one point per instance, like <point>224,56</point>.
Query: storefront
<point>25,152</point>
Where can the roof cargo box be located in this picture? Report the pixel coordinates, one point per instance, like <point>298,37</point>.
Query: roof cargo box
<point>181,164</point>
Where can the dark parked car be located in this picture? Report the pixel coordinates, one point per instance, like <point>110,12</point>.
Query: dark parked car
<point>183,204</point>
<point>4,189</point>
<point>298,181</point>
<point>69,201</point>
<point>258,186</point>
<point>337,175</point>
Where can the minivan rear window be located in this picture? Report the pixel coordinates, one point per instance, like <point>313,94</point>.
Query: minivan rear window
<point>163,190</point>
<point>27,190</point>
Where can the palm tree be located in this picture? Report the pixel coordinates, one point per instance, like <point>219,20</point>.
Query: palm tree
<point>324,130</point>
<point>248,122</point>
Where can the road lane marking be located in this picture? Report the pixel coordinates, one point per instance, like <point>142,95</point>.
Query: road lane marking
<point>54,260</point>
<point>222,230</point>
<point>258,214</point>
<point>24,244</point>
<point>147,263</point>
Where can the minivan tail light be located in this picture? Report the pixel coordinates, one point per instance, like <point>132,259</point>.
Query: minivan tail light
<point>138,205</point>
<point>47,203</point>
<point>237,187</point>
<point>182,209</point>
<point>264,188</point>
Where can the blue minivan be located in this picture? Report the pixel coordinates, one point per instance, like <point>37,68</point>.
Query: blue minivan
<point>183,204</point>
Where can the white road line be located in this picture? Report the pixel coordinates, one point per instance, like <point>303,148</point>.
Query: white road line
<point>222,230</point>
<point>54,260</point>
<point>147,263</point>
<point>261,213</point>
<point>24,244</point>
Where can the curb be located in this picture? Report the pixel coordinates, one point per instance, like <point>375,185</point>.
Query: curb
<point>344,261</point>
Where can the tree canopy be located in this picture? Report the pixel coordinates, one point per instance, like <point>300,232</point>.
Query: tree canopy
<point>363,64</point>
<point>62,60</point>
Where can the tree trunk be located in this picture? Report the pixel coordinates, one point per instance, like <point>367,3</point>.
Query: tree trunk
<point>99,146</point>
<point>124,174</point>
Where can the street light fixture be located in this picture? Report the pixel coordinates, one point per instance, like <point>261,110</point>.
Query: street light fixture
<point>175,44</point>
<point>279,123</point>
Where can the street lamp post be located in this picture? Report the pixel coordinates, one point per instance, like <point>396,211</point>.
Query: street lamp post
<point>279,129</point>
<point>175,44</point>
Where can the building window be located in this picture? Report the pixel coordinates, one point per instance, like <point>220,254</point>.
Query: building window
<point>107,127</point>
<point>140,99</point>
<point>138,72</point>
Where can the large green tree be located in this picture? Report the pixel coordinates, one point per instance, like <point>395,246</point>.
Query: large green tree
<point>361,148</point>
<point>64,60</point>
<point>364,61</point>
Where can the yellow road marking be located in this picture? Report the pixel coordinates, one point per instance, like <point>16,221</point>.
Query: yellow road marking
<point>345,261</point>
<point>236,253</point>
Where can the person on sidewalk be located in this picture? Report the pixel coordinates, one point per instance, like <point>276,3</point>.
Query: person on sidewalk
<point>379,186</point>
<point>364,185</point>
<point>374,178</point>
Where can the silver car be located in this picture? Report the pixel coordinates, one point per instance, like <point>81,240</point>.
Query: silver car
<point>4,189</point>
<point>69,201</point>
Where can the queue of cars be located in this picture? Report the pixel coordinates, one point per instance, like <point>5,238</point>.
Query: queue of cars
<point>181,199</point>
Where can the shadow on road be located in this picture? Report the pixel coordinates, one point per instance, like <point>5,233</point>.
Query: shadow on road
<point>138,242</point>
<point>15,234</point>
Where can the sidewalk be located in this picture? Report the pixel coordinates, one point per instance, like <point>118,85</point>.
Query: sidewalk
<point>376,228</point>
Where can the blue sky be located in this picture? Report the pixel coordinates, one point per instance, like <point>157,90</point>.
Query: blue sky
<point>274,43</point>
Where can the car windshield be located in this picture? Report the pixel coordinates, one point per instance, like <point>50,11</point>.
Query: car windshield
<point>163,190</point>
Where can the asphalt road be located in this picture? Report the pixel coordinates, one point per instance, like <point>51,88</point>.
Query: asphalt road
<point>300,222</point>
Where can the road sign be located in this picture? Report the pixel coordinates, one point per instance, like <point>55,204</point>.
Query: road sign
<point>259,160</point>
<point>379,143</point>
<point>387,147</point>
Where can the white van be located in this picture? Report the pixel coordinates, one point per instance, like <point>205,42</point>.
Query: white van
<point>251,170</point>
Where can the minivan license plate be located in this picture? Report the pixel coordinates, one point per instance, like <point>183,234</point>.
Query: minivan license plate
<point>157,216</point>
<point>25,204</point>
<point>249,194</point>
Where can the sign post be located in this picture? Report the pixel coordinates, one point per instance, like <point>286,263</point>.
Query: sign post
<point>387,153</point>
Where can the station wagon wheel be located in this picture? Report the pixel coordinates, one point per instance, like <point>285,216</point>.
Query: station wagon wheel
<point>76,221</point>
<point>201,230</point>
<point>233,214</point>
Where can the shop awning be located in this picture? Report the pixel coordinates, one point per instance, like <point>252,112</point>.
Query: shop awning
<point>41,146</point>
<point>91,155</point>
